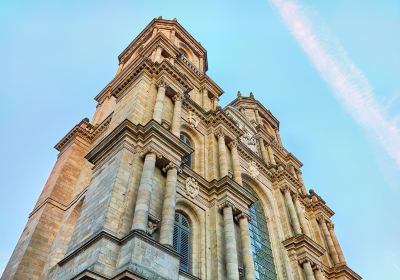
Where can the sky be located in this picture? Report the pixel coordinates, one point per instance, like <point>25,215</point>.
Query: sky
<point>328,70</point>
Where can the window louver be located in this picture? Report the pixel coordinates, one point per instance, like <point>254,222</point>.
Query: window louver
<point>181,241</point>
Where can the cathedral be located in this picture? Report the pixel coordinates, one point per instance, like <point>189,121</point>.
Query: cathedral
<point>165,184</point>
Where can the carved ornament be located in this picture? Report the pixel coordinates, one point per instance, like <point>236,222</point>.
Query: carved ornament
<point>193,120</point>
<point>192,187</point>
<point>254,172</point>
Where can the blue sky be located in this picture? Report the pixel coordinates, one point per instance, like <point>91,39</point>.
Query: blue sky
<point>56,57</point>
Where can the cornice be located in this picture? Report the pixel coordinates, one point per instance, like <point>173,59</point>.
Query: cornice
<point>304,248</point>
<point>282,174</point>
<point>251,103</point>
<point>83,130</point>
<point>227,190</point>
<point>152,136</point>
<point>219,118</point>
<point>342,272</point>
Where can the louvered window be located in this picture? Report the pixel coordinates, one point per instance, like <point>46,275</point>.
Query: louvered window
<point>260,243</point>
<point>182,240</point>
<point>188,159</point>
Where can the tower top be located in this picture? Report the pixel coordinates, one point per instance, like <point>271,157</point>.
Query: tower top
<point>174,33</point>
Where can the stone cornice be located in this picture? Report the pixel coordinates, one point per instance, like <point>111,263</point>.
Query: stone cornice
<point>342,272</point>
<point>317,205</point>
<point>303,247</point>
<point>248,102</point>
<point>283,175</point>
<point>151,136</point>
<point>227,190</point>
<point>111,237</point>
<point>83,131</point>
<point>219,119</point>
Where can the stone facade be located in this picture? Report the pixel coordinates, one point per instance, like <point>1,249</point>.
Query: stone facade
<point>109,208</point>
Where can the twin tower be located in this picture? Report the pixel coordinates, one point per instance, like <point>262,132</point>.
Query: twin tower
<point>163,183</point>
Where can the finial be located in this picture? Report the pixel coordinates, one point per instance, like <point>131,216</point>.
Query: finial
<point>239,94</point>
<point>251,95</point>
<point>160,17</point>
<point>311,191</point>
<point>174,19</point>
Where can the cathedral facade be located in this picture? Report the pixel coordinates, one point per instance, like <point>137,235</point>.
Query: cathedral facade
<point>163,183</point>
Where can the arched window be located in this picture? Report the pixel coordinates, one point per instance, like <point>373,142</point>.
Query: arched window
<point>260,242</point>
<point>182,240</point>
<point>188,159</point>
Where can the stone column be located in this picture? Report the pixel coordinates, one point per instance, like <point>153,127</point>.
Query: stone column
<point>246,247</point>
<point>176,118</point>
<point>141,213</point>
<point>278,136</point>
<point>157,57</point>
<point>231,258</point>
<point>303,187</point>
<point>237,172</point>
<point>159,106</point>
<point>206,100</point>
<point>223,165</point>
<point>293,170</point>
<point>331,246</point>
<point>292,211</point>
<point>308,271</point>
<point>263,150</point>
<point>168,210</point>
<point>271,155</point>
<point>339,251</point>
<point>302,218</point>
<point>318,274</point>
<point>258,118</point>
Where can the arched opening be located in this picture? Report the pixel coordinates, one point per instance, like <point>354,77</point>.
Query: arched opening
<point>181,240</point>
<point>187,160</point>
<point>260,241</point>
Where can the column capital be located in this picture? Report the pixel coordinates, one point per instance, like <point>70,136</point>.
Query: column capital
<point>242,215</point>
<point>320,218</point>
<point>295,197</point>
<point>150,150</point>
<point>172,165</point>
<point>225,204</point>
<point>177,97</point>
<point>285,189</point>
<point>306,259</point>
<point>220,133</point>
<point>233,144</point>
<point>161,83</point>
<point>330,225</point>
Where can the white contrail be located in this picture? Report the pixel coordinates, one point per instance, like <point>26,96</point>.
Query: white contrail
<point>348,83</point>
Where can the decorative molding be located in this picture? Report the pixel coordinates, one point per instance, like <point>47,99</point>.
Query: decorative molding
<point>254,172</point>
<point>193,120</point>
<point>191,187</point>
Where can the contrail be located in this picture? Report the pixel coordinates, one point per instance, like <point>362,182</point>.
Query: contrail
<point>347,82</point>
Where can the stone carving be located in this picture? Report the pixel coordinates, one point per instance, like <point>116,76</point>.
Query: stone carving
<point>192,187</point>
<point>249,140</point>
<point>151,227</point>
<point>193,120</point>
<point>253,169</point>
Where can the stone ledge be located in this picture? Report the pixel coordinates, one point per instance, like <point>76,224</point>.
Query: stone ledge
<point>301,246</point>
<point>342,272</point>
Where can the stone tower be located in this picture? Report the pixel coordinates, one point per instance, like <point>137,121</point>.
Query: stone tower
<point>163,183</point>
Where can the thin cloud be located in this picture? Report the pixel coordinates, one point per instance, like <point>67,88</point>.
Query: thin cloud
<point>347,82</point>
